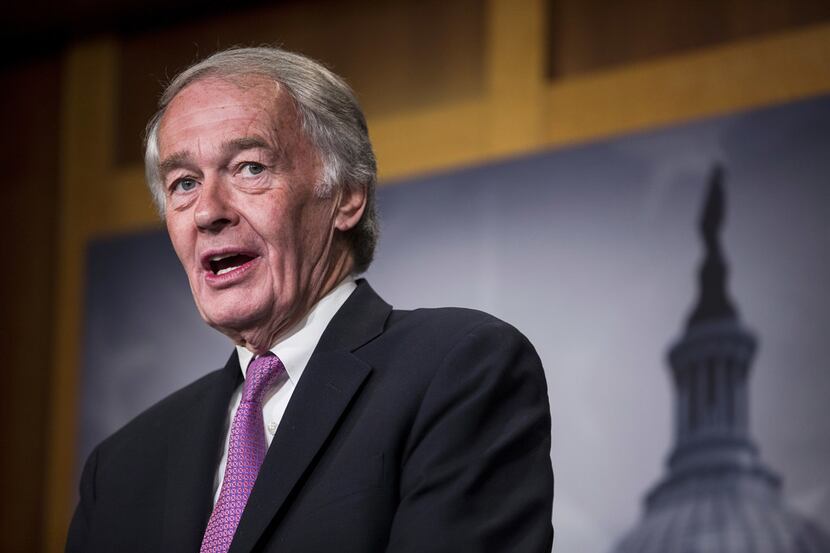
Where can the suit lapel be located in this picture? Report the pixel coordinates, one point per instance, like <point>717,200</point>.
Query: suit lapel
<point>193,447</point>
<point>330,382</point>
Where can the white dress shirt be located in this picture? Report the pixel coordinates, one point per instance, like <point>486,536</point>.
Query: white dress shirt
<point>294,350</point>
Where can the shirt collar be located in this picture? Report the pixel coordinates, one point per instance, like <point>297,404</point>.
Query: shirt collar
<point>295,348</point>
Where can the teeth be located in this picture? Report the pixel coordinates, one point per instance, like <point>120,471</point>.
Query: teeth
<point>224,263</point>
<point>221,257</point>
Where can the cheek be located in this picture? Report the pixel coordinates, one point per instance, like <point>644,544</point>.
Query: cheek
<point>279,229</point>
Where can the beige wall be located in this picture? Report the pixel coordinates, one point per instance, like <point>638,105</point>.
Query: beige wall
<point>444,84</point>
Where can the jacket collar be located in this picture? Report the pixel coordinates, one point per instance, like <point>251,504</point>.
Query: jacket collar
<point>361,319</point>
<point>194,445</point>
<point>332,379</point>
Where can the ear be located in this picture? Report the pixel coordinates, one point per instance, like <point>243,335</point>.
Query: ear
<point>350,206</point>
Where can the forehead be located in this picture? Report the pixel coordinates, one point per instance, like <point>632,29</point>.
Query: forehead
<point>215,107</point>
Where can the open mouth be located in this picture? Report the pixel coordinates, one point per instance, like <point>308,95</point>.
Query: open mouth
<point>222,264</point>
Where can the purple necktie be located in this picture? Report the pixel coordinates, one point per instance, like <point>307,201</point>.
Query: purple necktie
<point>245,454</point>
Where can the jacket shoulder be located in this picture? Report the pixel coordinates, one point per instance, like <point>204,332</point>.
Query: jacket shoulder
<point>448,324</point>
<point>443,316</point>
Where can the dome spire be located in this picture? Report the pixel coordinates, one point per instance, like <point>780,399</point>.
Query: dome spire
<point>713,302</point>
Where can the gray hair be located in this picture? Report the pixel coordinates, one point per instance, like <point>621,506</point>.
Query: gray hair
<point>330,116</point>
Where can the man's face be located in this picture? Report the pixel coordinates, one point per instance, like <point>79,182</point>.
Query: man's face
<point>253,236</point>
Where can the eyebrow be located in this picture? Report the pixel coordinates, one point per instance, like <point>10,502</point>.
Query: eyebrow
<point>229,149</point>
<point>232,147</point>
<point>174,161</point>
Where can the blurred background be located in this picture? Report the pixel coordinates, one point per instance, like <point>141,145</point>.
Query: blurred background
<point>458,94</point>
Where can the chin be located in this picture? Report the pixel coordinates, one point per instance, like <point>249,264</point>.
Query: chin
<point>233,319</point>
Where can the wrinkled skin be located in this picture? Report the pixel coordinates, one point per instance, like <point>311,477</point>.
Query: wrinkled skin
<point>240,179</point>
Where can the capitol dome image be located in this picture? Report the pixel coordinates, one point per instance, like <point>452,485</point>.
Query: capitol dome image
<point>717,495</point>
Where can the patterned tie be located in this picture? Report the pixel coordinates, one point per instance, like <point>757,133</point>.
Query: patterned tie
<point>245,454</point>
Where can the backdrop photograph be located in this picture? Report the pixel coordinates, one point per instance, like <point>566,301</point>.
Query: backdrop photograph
<point>673,282</point>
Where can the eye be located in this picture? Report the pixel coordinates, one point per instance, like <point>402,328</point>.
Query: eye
<point>251,169</point>
<point>185,184</point>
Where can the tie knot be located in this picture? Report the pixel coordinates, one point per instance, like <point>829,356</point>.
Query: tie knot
<point>261,375</point>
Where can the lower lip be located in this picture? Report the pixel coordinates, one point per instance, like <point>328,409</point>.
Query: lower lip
<point>231,277</point>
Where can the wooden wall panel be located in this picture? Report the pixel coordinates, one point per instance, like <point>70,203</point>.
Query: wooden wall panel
<point>588,35</point>
<point>86,195</point>
<point>396,55</point>
<point>29,110</point>
<point>713,81</point>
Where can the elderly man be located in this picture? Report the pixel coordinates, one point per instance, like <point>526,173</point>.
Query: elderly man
<point>338,424</point>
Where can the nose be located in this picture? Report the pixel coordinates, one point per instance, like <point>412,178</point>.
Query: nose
<point>214,211</point>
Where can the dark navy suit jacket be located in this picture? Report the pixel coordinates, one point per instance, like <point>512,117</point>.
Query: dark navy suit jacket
<point>410,431</point>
